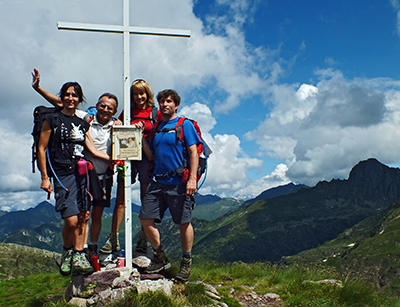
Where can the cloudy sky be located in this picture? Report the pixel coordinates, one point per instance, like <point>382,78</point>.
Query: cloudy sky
<point>284,91</point>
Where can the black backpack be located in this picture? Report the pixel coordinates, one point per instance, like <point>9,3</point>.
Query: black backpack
<point>38,116</point>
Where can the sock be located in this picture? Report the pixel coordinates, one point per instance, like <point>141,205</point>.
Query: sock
<point>84,245</point>
<point>92,243</point>
<point>187,255</point>
<point>67,248</point>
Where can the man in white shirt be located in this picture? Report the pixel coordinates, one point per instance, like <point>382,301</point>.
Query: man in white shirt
<point>100,131</point>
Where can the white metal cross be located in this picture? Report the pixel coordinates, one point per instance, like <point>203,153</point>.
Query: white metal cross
<point>126,29</point>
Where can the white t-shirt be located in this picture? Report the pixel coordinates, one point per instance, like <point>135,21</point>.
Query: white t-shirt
<point>101,135</point>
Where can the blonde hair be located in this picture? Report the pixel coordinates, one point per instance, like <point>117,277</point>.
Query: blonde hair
<point>142,85</point>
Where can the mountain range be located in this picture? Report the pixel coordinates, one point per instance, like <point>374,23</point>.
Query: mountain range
<point>286,225</point>
<point>41,226</point>
<point>280,222</point>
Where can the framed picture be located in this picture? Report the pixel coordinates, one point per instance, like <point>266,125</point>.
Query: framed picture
<point>126,143</point>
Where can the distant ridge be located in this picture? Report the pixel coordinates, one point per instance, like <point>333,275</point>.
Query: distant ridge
<point>277,191</point>
<point>33,217</point>
<point>47,235</point>
<point>286,225</point>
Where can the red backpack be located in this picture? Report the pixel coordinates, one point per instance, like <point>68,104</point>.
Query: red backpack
<point>203,151</point>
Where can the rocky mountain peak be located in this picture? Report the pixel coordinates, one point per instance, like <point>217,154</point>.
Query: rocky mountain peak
<point>371,168</point>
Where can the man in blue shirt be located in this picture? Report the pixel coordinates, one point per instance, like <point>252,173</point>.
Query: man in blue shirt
<point>170,190</point>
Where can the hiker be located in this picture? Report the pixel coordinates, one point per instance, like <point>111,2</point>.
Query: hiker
<point>101,124</point>
<point>168,191</point>
<point>63,137</point>
<point>143,115</point>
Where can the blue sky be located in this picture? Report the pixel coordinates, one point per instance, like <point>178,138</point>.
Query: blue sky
<point>283,90</point>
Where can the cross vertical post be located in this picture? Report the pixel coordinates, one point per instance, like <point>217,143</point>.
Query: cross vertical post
<point>127,116</point>
<point>126,30</point>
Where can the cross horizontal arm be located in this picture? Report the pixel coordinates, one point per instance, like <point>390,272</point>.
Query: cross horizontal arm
<point>120,29</point>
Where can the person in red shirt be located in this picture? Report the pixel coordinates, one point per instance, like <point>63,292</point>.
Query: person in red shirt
<point>144,115</point>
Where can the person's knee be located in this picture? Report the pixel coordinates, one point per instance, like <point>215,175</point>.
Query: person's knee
<point>146,223</point>
<point>71,222</point>
<point>185,226</point>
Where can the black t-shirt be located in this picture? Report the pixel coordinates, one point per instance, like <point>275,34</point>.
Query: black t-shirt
<point>66,142</point>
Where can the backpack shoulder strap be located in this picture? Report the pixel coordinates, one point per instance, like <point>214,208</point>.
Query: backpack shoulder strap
<point>179,128</point>
<point>88,118</point>
<point>154,130</point>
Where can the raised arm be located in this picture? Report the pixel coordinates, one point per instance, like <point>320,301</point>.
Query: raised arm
<point>53,99</point>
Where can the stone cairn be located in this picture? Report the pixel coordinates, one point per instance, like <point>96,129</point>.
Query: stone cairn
<point>112,282</point>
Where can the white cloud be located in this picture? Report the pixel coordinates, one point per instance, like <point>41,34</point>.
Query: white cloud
<point>322,131</point>
<point>276,178</point>
<point>228,165</point>
<point>396,6</point>
<point>15,158</point>
<point>318,131</point>
<point>11,201</point>
<point>224,64</point>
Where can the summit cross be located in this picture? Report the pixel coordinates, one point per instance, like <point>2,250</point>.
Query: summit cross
<point>126,30</point>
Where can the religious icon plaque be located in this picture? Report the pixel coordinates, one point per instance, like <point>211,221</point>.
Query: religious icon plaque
<point>126,143</point>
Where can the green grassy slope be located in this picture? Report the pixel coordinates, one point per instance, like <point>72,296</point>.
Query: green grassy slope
<point>369,250</point>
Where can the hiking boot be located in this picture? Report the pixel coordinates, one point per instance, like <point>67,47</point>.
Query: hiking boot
<point>92,250</point>
<point>86,252</point>
<point>159,263</point>
<point>141,245</point>
<point>80,264</point>
<point>112,244</point>
<point>185,269</point>
<point>66,260</point>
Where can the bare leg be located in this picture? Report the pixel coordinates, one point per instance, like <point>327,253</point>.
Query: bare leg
<point>187,236</point>
<point>143,189</point>
<point>151,231</point>
<point>81,230</point>
<point>95,228</point>
<point>119,209</point>
<point>68,231</point>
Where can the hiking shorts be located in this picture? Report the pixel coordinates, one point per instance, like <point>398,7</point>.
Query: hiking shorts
<point>107,187</point>
<point>160,197</point>
<point>77,200</point>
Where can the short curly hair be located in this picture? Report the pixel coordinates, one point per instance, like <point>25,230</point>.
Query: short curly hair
<point>166,93</point>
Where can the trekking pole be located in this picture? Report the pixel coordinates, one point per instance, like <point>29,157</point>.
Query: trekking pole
<point>34,157</point>
<point>49,193</point>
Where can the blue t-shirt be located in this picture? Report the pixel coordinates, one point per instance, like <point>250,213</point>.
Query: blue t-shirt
<point>168,150</point>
